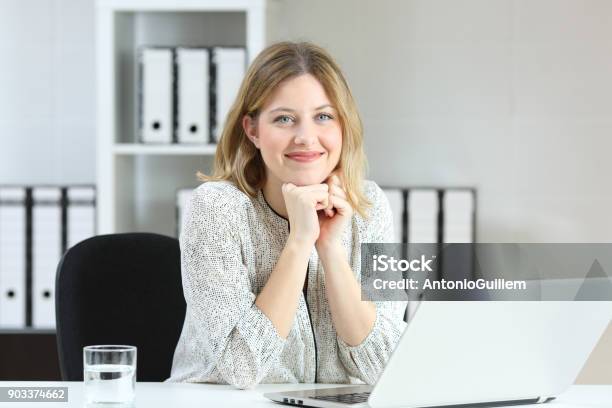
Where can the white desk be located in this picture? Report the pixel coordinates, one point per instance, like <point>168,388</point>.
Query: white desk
<point>172,395</point>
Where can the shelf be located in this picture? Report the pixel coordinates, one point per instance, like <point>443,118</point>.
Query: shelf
<point>160,150</point>
<point>183,5</point>
<point>137,183</point>
<point>28,330</point>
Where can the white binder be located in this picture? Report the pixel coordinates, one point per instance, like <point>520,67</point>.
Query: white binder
<point>230,66</point>
<point>458,216</point>
<point>46,253</point>
<point>422,226</point>
<point>423,216</point>
<point>182,199</point>
<point>156,98</point>
<point>80,214</point>
<point>396,201</point>
<point>457,262</point>
<point>193,121</point>
<point>12,257</point>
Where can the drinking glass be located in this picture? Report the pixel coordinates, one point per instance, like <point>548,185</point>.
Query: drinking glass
<point>109,374</point>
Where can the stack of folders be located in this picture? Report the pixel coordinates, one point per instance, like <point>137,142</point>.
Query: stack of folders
<point>436,216</point>
<point>12,257</point>
<point>185,93</point>
<point>37,225</point>
<point>432,215</point>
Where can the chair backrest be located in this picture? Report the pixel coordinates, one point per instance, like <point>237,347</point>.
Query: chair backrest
<point>120,289</point>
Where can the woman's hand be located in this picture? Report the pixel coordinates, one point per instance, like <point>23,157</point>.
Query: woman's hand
<point>302,204</point>
<point>335,217</point>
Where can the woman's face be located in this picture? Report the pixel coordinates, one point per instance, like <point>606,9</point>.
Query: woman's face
<point>298,133</point>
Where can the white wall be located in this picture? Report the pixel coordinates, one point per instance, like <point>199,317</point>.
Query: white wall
<point>511,96</point>
<point>47,91</point>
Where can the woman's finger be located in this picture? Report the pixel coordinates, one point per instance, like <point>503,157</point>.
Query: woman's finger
<point>341,205</point>
<point>286,187</point>
<point>320,199</point>
<point>336,180</point>
<point>315,187</point>
<point>333,180</point>
<point>329,208</point>
<point>337,191</point>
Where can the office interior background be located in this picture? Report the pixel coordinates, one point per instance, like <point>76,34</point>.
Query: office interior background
<point>512,97</point>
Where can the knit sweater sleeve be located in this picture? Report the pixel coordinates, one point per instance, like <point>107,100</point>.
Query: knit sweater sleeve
<point>230,335</point>
<point>367,360</point>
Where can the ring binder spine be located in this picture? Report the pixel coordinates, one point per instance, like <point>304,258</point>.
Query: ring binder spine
<point>29,203</point>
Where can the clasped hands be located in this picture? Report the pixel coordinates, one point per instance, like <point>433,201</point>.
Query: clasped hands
<point>318,213</point>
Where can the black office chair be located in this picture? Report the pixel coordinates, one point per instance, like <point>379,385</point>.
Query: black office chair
<point>120,289</point>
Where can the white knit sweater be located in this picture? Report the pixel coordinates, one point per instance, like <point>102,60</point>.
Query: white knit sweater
<point>230,244</point>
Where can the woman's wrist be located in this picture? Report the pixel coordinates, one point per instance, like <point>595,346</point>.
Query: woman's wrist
<point>329,250</point>
<point>299,244</point>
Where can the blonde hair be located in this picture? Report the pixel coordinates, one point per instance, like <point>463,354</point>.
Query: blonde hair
<point>239,161</point>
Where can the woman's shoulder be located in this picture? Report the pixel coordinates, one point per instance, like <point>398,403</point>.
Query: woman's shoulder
<point>375,227</point>
<point>371,190</point>
<point>218,202</point>
<point>374,194</point>
<point>220,193</point>
<point>214,209</point>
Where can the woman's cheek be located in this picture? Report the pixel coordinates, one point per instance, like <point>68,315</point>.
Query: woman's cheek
<point>336,147</point>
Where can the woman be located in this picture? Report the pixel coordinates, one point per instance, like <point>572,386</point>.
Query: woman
<point>270,244</point>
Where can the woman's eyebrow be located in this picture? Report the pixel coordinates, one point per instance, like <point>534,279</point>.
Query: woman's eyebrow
<point>293,110</point>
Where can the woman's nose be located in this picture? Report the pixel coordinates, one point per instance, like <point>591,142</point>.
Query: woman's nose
<point>305,136</point>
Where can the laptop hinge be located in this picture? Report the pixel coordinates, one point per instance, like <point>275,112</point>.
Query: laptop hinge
<point>542,400</point>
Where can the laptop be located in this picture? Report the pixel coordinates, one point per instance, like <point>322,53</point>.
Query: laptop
<point>457,353</point>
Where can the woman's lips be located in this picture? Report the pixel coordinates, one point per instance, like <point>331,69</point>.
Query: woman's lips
<point>304,157</point>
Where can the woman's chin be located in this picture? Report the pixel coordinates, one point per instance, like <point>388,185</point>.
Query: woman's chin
<point>307,181</point>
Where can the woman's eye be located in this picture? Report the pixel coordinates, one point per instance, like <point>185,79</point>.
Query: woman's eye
<point>324,116</point>
<point>284,120</point>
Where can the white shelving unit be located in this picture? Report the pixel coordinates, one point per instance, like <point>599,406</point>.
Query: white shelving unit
<point>127,149</point>
<point>137,183</point>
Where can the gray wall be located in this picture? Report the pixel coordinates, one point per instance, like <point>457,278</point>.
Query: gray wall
<point>47,91</point>
<point>513,97</point>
